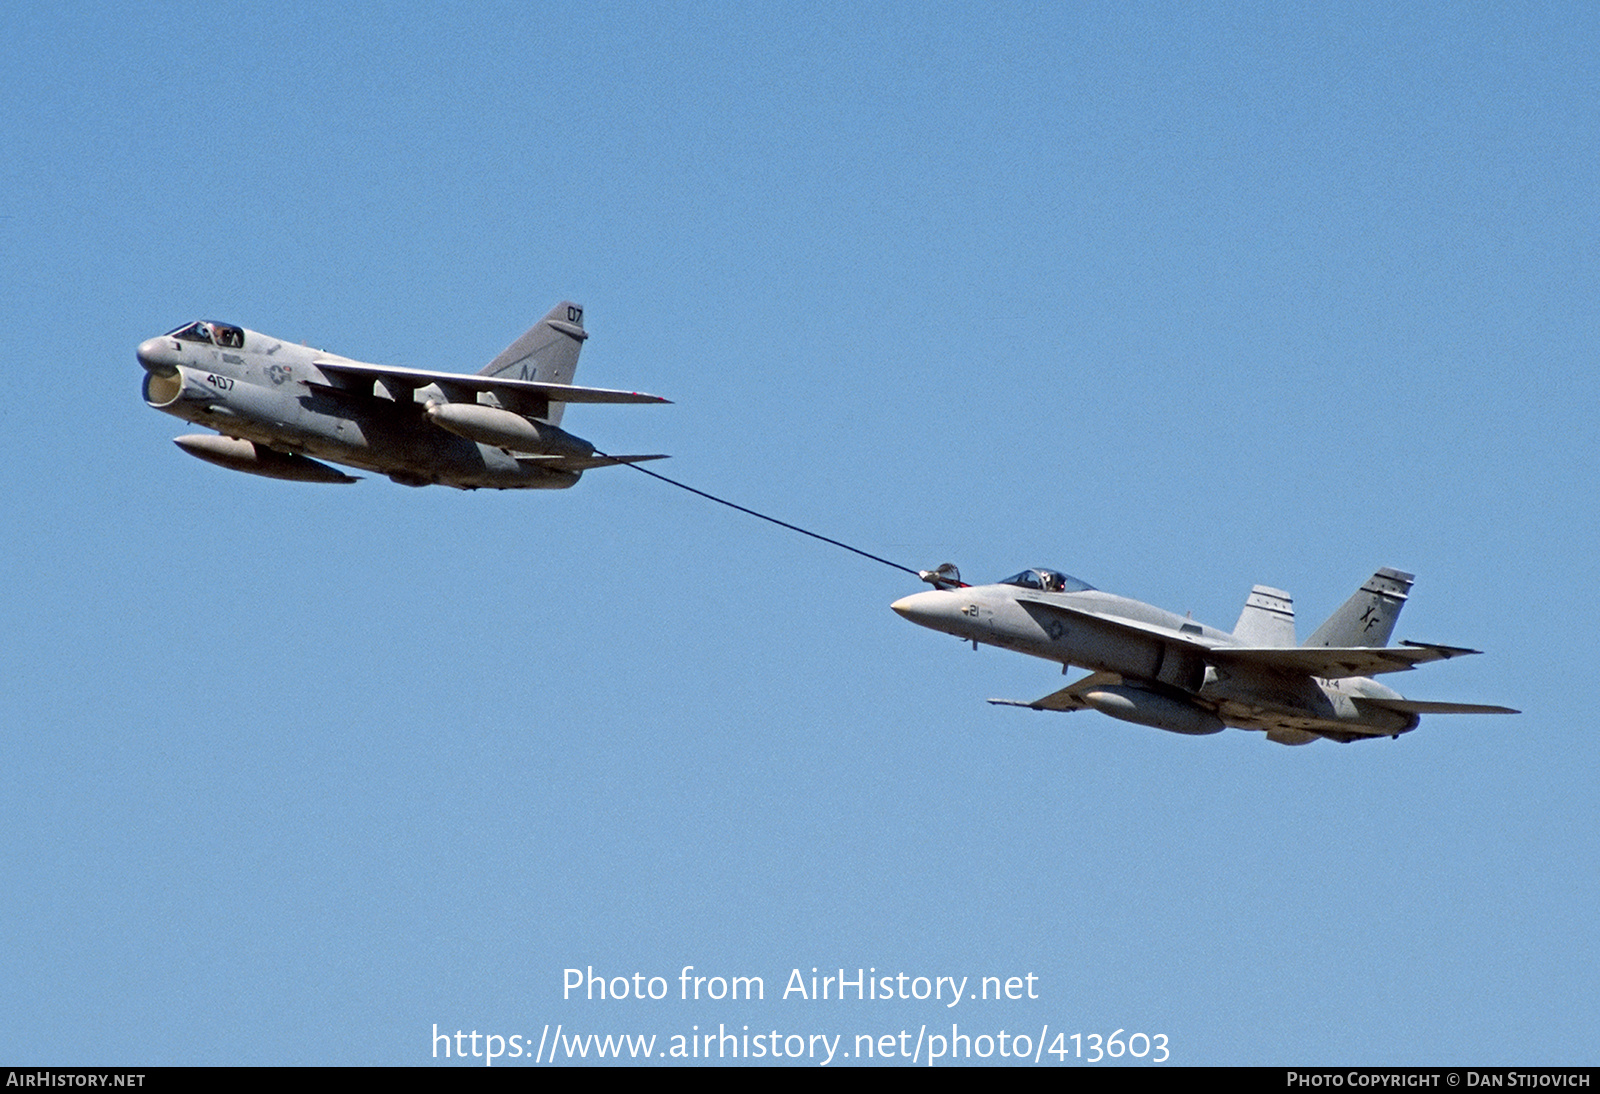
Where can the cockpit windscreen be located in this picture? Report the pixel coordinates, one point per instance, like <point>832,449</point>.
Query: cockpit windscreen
<point>1048,581</point>
<point>219,334</point>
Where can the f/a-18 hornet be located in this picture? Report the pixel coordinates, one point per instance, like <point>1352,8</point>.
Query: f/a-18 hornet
<point>1159,669</point>
<point>275,405</point>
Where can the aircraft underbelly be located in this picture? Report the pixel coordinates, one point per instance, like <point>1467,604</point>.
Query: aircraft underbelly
<point>1265,702</point>
<point>422,454</point>
<point>388,442</point>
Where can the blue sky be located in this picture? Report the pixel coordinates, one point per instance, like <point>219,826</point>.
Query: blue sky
<point>1175,301</point>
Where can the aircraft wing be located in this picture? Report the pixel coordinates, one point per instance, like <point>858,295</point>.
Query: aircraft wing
<point>1069,697</point>
<point>1329,663</point>
<point>417,377</point>
<point>1332,663</point>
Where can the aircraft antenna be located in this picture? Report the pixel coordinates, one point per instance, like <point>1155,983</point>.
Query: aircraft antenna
<point>763,516</point>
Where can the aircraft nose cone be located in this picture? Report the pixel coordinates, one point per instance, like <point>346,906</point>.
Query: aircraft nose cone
<point>922,608</point>
<point>151,352</point>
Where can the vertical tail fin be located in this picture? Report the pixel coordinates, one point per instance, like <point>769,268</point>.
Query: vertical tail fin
<point>547,353</point>
<point>1368,617</point>
<point>1267,619</point>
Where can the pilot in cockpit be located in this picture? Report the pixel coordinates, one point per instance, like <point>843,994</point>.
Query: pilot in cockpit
<point>218,334</point>
<point>1049,581</point>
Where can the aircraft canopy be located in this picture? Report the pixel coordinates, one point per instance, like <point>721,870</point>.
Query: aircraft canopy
<point>1049,581</point>
<point>218,334</point>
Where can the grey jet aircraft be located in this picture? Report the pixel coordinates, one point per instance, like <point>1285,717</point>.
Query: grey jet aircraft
<point>1159,669</point>
<point>275,405</point>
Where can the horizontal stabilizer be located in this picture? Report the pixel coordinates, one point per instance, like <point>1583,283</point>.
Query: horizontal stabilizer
<point>1418,706</point>
<point>417,377</point>
<point>583,463</point>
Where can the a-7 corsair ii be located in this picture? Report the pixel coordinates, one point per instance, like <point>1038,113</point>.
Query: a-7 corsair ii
<point>1159,669</point>
<point>275,405</point>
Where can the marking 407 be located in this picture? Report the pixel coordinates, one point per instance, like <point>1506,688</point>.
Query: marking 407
<point>221,383</point>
